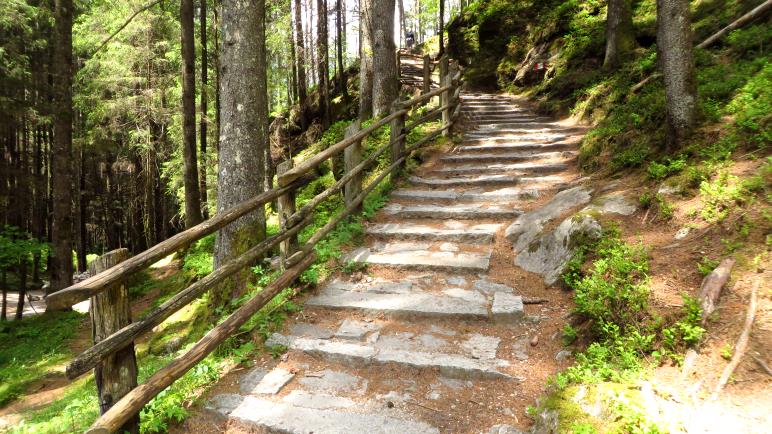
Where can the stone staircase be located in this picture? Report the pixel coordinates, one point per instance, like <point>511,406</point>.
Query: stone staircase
<point>428,339</point>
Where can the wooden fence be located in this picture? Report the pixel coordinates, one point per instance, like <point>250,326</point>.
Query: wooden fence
<point>112,356</point>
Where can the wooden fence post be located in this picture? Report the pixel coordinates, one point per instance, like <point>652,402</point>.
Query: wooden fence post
<point>116,374</point>
<point>352,156</point>
<point>286,205</point>
<point>399,64</point>
<point>427,74</point>
<point>445,96</point>
<point>397,143</point>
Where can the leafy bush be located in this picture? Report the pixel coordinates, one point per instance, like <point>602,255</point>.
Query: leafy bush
<point>669,166</point>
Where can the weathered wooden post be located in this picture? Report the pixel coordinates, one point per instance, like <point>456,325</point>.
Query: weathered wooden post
<point>427,74</point>
<point>286,205</point>
<point>445,96</point>
<point>399,64</point>
<point>455,91</point>
<point>352,156</point>
<point>116,374</point>
<point>397,142</point>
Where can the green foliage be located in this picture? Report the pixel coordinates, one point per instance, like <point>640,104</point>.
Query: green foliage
<point>669,166</point>
<point>569,335</point>
<point>22,362</point>
<point>666,209</point>
<point>17,246</point>
<point>720,196</point>
<point>685,332</point>
<point>199,258</point>
<point>706,265</point>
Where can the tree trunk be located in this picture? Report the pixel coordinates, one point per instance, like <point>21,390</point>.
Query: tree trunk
<point>22,287</point>
<point>301,59</point>
<point>340,13</point>
<point>403,28</point>
<point>620,37</point>
<point>61,262</point>
<point>366,60</point>
<point>4,284</point>
<point>192,193</point>
<point>323,69</point>
<point>204,120</point>
<point>674,45</point>
<point>441,30</point>
<point>385,77</point>
<point>243,135</point>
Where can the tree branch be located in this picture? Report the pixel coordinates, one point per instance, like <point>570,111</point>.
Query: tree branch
<point>123,26</point>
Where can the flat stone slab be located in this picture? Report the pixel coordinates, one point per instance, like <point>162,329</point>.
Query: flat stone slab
<point>248,382</point>
<point>491,288</point>
<point>467,180</point>
<point>419,303</point>
<point>289,418</point>
<point>515,146</point>
<point>320,401</point>
<point>482,347</point>
<point>355,330</point>
<point>464,212</point>
<point>224,404</point>
<point>273,381</point>
<point>613,203</point>
<point>377,286</point>
<point>528,226</point>
<point>424,259</point>
<point>508,156</point>
<point>483,233</point>
<point>330,381</point>
<point>505,194</point>
<point>519,168</point>
<point>507,308</point>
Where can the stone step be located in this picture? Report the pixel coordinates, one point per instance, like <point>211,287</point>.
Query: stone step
<point>460,232</point>
<point>408,299</point>
<point>508,194</point>
<point>488,120</point>
<point>521,168</point>
<point>519,129</point>
<point>500,139</point>
<point>504,147</point>
<point>401,353</point>
<point>467,180</point>
<point>323,415</point>
<point>507,156</point>
<point>464,212</point>
<point>407,257</point>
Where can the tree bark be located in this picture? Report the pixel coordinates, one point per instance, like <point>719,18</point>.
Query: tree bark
<point>385,77</point>
<point>301,59</point>
<point>339,39</point>
<point>620,38</point>
<point>22,271</point>
<point>403,27</point>
<point>61,262</point>
<point>674,45</point>
<point>441,26</point>
<point>192,193</point>
<point>243,134</point>
<point>366,60</point>
<point>323,68</point>
<point>204,120</point>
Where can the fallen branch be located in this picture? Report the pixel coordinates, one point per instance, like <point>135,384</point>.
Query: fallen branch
<point>755,13</point>
<point>742,341</point>
<point>530,300</point>
<point>763,365</point>
<point>710,289</point>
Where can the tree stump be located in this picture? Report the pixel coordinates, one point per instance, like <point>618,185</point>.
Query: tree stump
<point>110,311</point>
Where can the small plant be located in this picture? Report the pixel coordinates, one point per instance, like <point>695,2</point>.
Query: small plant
<point>706,265</point>
<point>666,209</point>
<point>569,335</point>
<point>646,199</point>
<point>727,352</point>
<point>353,266</point>
<point>670,166</point>
<point>730,245</point>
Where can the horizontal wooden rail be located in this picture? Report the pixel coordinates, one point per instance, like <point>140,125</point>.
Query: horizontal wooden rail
<point>428,116</point>
<point>96,284</point>
<point>123,337</point>
<point>301,169</point>
<point>424,97</point>
<point>133,402</point>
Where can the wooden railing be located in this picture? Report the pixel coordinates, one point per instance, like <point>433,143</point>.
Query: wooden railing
<point>113,353</point>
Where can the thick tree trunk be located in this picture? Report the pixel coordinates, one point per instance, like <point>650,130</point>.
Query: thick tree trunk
<point>674,45</point>
<point>441,30</point>
<point>403,27</point>
<point>192,193</point>
<point>204,119</point>
<point>323,68</point>
<point>61,262</point>
<point>385,77</point>
<point>620,37</point>
<point>4,285</point>
<point>340,13</point>
<point>243,134</point>
<point>22,271</point>
<point>301,59</point>
<point>366,60</point>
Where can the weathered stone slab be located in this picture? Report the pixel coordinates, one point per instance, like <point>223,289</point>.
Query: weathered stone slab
<point>482,347</point>
<point>452,365</point>
<point>519,168</point>
<point>467,180</point>
<point>507,308</point>
<point>424,304</point>
<point>311,331</point>
<point>464,212</point>
<point>548,253</point>
<point>355,330</point>
<point>377,285</point>
<point>505,194</point>
<point>468,234</point>
<point>613,203</point>
<point>293,419</point>
<point>330,381</point>
<point>491,288</point>
<point>319,401</point>
<point>526,227</point>
<point>423,259</point>
<point>248,382</point>
<point>506,156</point>
<point>273,381</point>
<point>224,404</point>
<point>508,147</point>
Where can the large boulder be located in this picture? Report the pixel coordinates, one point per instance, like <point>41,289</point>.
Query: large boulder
<point>548,253</point>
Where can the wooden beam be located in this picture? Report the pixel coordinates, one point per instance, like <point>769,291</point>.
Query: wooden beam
<point>96,284</point>
<point>132,403</point>
<point>126,335</point>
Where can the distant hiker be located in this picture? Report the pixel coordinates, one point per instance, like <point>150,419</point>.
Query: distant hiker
<point>410,39</point>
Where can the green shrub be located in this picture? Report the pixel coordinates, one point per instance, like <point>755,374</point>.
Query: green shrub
<point>670,166</point>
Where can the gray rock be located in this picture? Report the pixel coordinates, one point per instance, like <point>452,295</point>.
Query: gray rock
<point>224,404</point>
<point>490,288</point>
<point>504,429</point>
<point>248,382</point>
<point>614,203</point>
<point>681,234</point>
<point>334,381</point>
<point>548,254</point>
<point>431,342</point>
<point>563,355</point>
<point>423,259</point>
<point>378,286</point>
<point>277,340</point>
<point>273,381</point>
<point>311,331</point>
<point>292,419</point>
<point>507,308</point>
<point>466,180</point>
<point>528,226</point>
<point>481,347</point>
<point>667,189</point>
<point>483,233</point>
<point>464,212</point>
<point>456,281</point>
<point>355,330</point>
<point>305,399</point>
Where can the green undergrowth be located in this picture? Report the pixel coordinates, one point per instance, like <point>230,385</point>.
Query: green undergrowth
<point>21,363</point>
